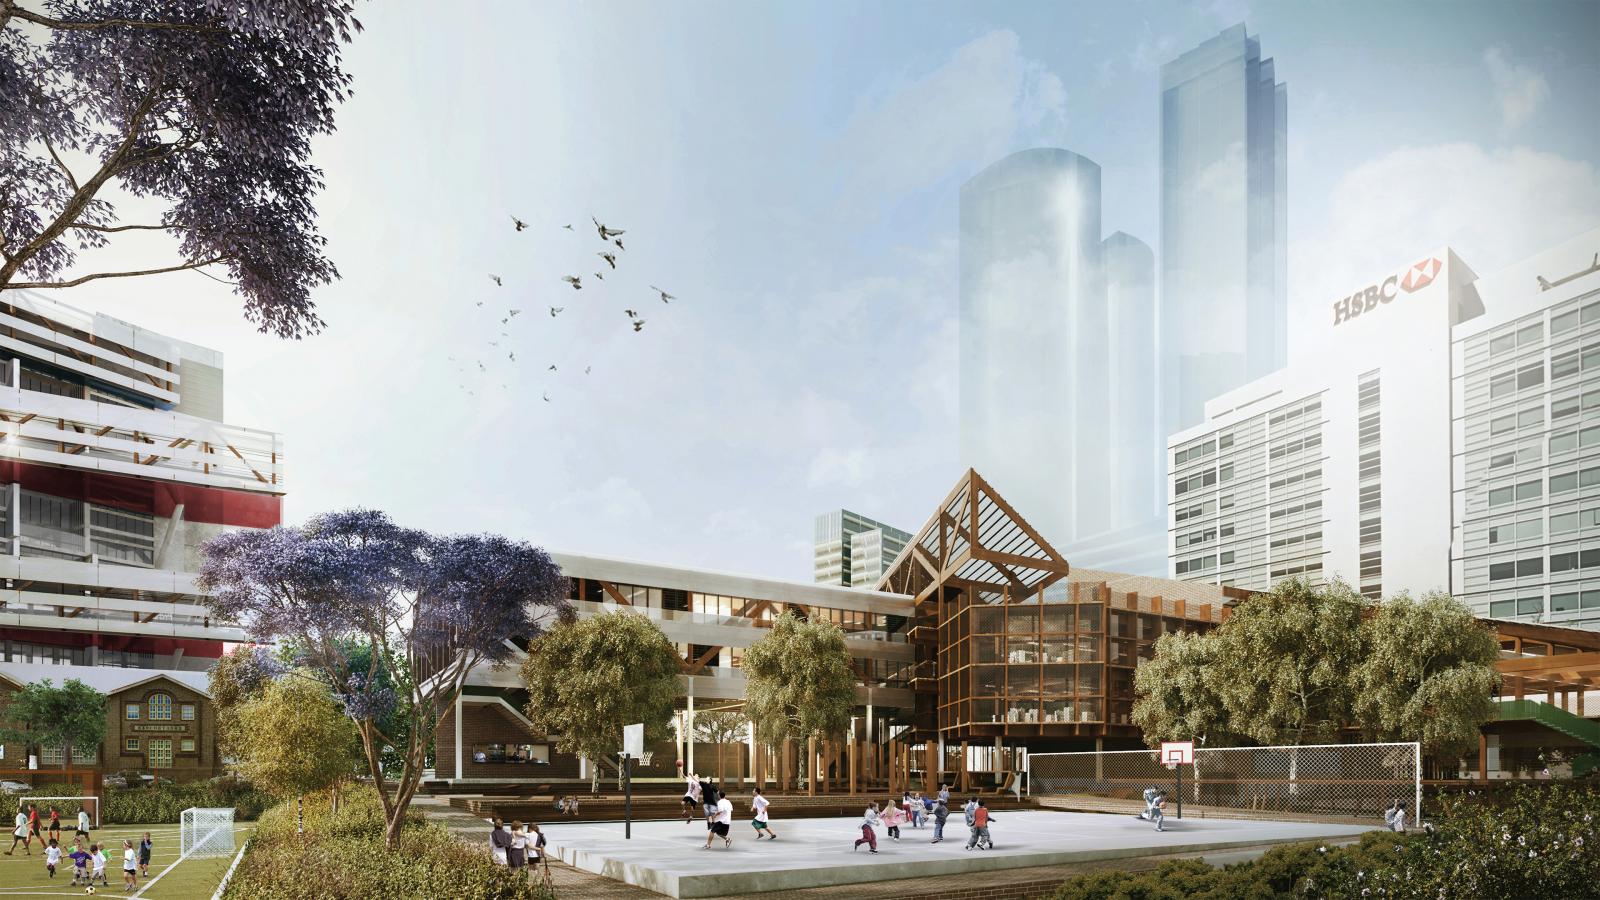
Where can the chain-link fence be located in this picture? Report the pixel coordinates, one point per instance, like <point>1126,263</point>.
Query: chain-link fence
<point>1347,781</point>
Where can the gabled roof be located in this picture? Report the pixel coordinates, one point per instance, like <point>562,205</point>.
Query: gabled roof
<point>105,679</point>
<point>977,537</point>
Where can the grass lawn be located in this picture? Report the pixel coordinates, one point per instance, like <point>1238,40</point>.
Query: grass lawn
<point>196,879</point>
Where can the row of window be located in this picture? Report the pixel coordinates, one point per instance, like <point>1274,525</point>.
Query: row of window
<point>1508,383</point>
<point>1522,337</point>
<point>1296,478</point>
<point>1199,451</point>
<point>1512,421</point>
<point>1532,490</point>
<point>160,709</point>
<point>1291,413</point>
<point>1566,601</point>
<point>1560,523</point>
<point>1292,509</point>
<point>1565,561</point>
<point>185,745</point>
<point>1310,442</point>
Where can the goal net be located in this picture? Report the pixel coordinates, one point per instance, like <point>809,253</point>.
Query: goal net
<point>68,808</point>
<point>206,832</point>
<point>1345,781</point>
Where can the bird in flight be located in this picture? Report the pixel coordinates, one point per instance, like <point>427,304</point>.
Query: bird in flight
<point>556,311</point>
<point>665,297</point>
<point>552,367</point>
<point>481,368</point>
<point>586,369</point>
<point>632,314</point>
<point>505,320</point>
<point>480,302</point>
<point>514,313</point>
<point>567,227</point>
<point>638,324</point>
<point>609,257</point>
<point>513,357</point>
<point>547,397</point>
<point>575,281</point>
<point>606,234</point>
<point>497,282</point>
<point>519,223</point>
<point>599,276</point>
<point>618,242</point>
<point>494,343</point>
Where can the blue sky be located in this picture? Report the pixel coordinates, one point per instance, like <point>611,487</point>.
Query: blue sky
<point>790,172</point>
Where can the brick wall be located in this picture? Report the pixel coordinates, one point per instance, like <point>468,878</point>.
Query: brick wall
<point>202,761</point>
<point>491,723</point>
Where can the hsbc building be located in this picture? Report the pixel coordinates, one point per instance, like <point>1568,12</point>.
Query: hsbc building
<point>1433,431</point>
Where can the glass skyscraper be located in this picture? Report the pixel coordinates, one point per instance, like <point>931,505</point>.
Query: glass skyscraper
<point>1034,404</point>
<point>1224,121</point>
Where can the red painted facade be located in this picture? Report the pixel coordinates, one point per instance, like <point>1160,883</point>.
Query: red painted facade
<point>212,505</point>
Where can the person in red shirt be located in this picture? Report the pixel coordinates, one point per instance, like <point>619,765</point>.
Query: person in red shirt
<point>33,822</point>
<point>980,828</point>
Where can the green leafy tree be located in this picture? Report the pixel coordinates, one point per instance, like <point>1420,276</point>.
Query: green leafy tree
<point>1282,663</point>
<point>43,715</point>
<point>1176,697</point>
<point>720,727</point>
<point>798,681</point>
<point>1429,674</point>
<point>587,679</point>
<point>293,738</point>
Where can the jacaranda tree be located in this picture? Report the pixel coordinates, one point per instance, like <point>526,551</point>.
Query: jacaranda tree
<point>199,110</point>
<point>356,578</point>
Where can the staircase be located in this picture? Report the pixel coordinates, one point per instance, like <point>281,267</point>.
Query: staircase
<point>1557,719</point>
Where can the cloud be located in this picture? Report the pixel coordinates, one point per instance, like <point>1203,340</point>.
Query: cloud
<point>1492,207</point>
<point>833,466</point>
<point>1520,90</point>
<point>968,112</point>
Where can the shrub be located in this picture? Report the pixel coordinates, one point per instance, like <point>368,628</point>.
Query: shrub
<point>165,802</point>
<point>342,855</point>
<point>1524,842</point>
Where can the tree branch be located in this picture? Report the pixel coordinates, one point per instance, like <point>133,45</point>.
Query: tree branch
<point>71,179</point>
<point>87,278</point>
<point>113,229</point>
<point>97,24</point>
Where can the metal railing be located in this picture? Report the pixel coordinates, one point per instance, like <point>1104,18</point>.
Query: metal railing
<point>1357,781</point>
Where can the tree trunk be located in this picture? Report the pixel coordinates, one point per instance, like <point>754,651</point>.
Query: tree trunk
<point>299,814</point>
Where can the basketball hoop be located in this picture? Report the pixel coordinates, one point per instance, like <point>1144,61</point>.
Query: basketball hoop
<point>1177,753</point>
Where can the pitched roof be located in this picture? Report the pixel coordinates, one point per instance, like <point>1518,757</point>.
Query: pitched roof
<point>105,679</point>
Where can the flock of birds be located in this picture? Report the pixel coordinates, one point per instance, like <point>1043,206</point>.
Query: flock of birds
<point>612,237</point>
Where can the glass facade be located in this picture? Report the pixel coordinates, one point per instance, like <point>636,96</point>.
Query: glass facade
<point>852,550</point>
<point>1136,468</point>
<point>1224,138</point>
<point>1034,405</point>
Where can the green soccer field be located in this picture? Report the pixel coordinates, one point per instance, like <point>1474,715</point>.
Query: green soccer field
<point>196,879</point>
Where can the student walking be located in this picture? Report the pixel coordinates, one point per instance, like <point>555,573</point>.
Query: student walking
<point>1395,817</point>
<point>517,853</point>
<point>130,863</point>
<point>761,823</point>
<point>940,813</point>
<point>99,854</point>
<point>869,821</point>
<point>20,834</point>
<point>145,849</point>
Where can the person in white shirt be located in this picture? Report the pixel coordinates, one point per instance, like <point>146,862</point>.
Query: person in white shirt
<point>762,825</point>
<point>52,858</point>
<point>130,867</point>
<point>98,854</point>
<point>20,835</point>
<point>691,795</point>
<point>869,836</point>
<point>721,821</point>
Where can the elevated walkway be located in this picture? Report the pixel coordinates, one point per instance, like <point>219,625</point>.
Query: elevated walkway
<point>1558,720</point>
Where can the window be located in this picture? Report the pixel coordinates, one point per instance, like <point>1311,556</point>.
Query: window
<point>1530,606</point>
<point>1564,322</point>
<point>537,754</point>
<point>1500,460</point>
<point>131,744</point>
<point>1195,482</point>
<point>1529,490</point>
<point>1226,473</point>
<point>160,753</point>
<point>1502,571</point>
<point>1564,602</point>
<point>186,712</point>
<point>1193,453</point>
<point>132,711</point>
<point>1503,385</point>
<point>1527,567</point>
<point>1502,343</point>
<point>1563,562</point>
<point>1530,376</point>
<point>1530,417</point>
<point>1564,364</point>
<point>1227,558</point>
<point>1566,482</point>
<point>1561,443</point>
<point>160,706</point>
<point>186,745</point>
<point>1566,406</point>
<point>1562,524</point>
<point>1530,334</point>
<point>1502,424</point>
<point>1503,609</point>
<point>1225,442</point>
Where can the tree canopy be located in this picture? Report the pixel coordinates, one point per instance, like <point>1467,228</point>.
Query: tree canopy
<point>351,592</point>
<point>798,681</point>
<point>1429,674</point>
<point>294,738</point>
<point>202,111</point>
<point>586,679</point>
<point>43,715</point>
<point>1176,697</point>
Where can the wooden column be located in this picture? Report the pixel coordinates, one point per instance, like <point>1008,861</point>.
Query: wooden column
<point>811,767</point>
<point>855,754</point>
<point>1483,756</point>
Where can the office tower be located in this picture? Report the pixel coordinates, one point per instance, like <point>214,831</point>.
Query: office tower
<point>1134,433</point>
<point>1033,332</point>
<point>114,469</point>
<point>853,550</point>
<point>1449,439</point>
<point>1224,120</point>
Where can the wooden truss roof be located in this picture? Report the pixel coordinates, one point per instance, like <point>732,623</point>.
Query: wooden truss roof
<point>1562,672</point>
<point>976,537</point>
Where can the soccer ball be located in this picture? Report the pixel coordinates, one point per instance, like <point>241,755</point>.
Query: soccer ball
<point>89,890</point>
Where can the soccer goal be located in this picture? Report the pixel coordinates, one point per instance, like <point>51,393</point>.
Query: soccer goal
<point>68,807</point>
<point>205,832</point>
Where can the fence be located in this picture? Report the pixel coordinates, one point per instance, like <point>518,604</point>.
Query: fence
<point>1337,780</point>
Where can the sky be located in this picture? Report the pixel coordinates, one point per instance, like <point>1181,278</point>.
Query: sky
<point>790,172</point>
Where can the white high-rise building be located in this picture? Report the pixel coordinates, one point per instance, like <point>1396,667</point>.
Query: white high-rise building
<point>1443,439</point>
<point>852,550</point>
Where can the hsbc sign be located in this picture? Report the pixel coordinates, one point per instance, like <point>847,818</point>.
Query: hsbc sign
<point>1413,279</point>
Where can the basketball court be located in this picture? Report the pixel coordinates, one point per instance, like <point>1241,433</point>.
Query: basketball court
<point>666,856</point>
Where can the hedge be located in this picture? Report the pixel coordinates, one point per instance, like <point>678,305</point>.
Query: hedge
<point>164,802</point>
<point>342,855</point>
<point>1532,842</point>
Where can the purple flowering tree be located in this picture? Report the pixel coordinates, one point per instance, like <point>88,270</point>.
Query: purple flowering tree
<point>204,108</point>
<point>443,604</point>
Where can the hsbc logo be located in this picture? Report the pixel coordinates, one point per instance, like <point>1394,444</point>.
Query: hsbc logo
<point>1415,279</point>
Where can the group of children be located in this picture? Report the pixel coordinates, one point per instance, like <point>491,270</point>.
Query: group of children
<point>88,859</point>
<point>700,795</point>
<point>518,846</point>
<point>915,808</point>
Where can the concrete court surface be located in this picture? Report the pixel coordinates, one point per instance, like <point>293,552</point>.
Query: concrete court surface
<point>666,857</point>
